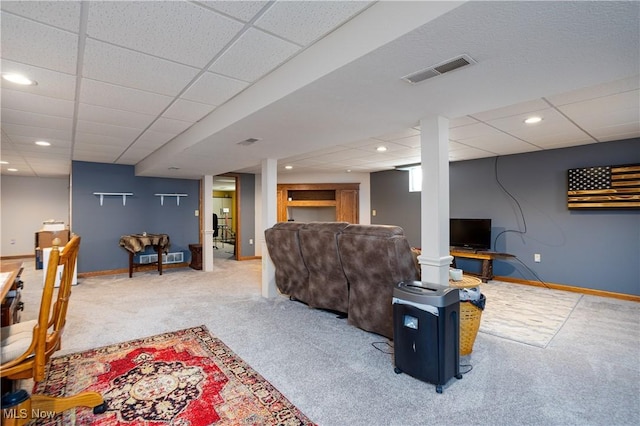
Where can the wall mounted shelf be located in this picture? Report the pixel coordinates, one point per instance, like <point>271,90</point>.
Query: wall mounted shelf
<point>170,195</point>
<point>124,196</point>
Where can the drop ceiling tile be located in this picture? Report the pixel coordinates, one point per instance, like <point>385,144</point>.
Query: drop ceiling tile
<point>461,121</point>
<point>517,109</point>
<point>153,139</point>
<point>20,142</point>
<point>181,31</point>
<point>611,110</point>
<point>619,132</point>
<point>553,125</point>
<point>469,153</point>
<point>170,126</point>
<point>253,55</point>
<point>134,155</point>
<point>123,98</point>
<point>22,101</point>
<point>50,83</point>
<point>411,141</point>
<point>36,133</point>
<point>470,131</point>
<point>61,14</point>
<point>185,110</point>
<point>37,44</point>
<point>90,141</point>
<point>500,144</point>
<point>303,22</point>
<point>115,117</point>
<point>243,10</point>
<point>35,151</point>
<point>91,127</point>
<point>213,89</point>
<point>399,135</point>
<point>95,156</point>
<point>12,116</point>
<point>124,67</point>
<point>599,91</point>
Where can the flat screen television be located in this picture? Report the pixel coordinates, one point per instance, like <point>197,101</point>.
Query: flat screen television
<point>470,233</point>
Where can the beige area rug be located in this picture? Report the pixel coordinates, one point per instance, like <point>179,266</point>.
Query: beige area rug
<point>525,314</point>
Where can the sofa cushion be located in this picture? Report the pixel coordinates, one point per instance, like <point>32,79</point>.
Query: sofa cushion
<point>328,286</point>
<point>283,244</point>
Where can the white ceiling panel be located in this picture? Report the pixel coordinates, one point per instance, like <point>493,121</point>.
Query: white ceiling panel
<point>37,133</point>
<point>153,139</point>
<point>519,109</point>
<point>399,135</point>
<point>606,111</point>
<point>94,156</point>
<point>91,127</point>
<point>185,110</point>
<point>116,117</point>
<point>12,116</point>
<point>170,126</point>
<point>64,15</point>
<point>91,140</point>
<point>243,10</point>
<point>500,143</point>
<point>37,104</point>
<point>40,45</point>
<point>180,31</point>
<point>214,89</point>
<point>612,133</point>
<point>123,98</point>
<point>28,142</point>
<point>112,64</point>
<point>50,83</point>
<point>598,91</point>
<point>303,22</point>
<point>134,155</point>
<point>253,55</point>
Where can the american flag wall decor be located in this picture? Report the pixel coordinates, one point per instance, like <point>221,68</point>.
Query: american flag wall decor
<point>604,187</point>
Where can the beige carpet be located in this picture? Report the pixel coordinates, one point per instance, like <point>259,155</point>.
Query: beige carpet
<point>525,314</point>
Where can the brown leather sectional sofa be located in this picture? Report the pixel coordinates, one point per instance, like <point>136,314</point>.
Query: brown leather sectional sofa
<point>346,268</point>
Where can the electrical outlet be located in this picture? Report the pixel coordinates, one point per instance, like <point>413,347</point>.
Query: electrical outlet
<point>197,213</point>
<point>374,212</point>
<point>536,257</point>
<point>250,241</point>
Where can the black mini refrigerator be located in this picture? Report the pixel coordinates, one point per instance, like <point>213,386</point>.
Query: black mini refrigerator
<point>426,331</point>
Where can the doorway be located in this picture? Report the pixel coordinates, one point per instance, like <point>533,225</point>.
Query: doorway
<point>225,217</point>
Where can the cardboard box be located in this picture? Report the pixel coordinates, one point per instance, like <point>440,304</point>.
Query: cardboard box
<point>45,239</point>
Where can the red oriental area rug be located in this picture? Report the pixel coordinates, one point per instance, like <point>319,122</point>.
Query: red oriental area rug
<point>186,377</point>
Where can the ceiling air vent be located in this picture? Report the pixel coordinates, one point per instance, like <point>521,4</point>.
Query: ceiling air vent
<point>248,142</point>
<point>441,68</point>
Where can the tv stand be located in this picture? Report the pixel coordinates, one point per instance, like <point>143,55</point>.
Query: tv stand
<point>486,257</point>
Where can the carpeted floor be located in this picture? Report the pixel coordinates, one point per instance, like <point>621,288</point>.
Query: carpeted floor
<point>184,377</point>
<point>336,374</point>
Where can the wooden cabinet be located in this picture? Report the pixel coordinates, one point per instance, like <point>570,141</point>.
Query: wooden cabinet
<point>328,201</point>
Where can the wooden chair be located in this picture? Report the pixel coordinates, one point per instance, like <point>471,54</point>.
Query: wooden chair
<point>28,346</point>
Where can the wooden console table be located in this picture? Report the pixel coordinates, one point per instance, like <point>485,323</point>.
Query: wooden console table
<point>486,257</point>
<point>138,242</point>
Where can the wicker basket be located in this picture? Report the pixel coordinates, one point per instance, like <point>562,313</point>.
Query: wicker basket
<point>469,324</point>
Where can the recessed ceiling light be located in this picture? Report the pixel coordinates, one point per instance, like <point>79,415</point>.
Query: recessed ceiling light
<point>533,120</point>
<point>19,79</point>
<point>174,168</point>
<point>12,170</point>
<point>348,170</point>
<point>288,167</point>
<point>4,162</point>
<point>43,143</point>
<point>381,148</point>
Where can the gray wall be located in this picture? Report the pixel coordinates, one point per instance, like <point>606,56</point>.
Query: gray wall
<point>26,203</point>
<point>247,184</point>
<point>102,226</point>
<point>591,249</point>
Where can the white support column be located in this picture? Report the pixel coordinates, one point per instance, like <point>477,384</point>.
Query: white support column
<point>207,230</point>
<point>435,258</point>
<point>269,217</point>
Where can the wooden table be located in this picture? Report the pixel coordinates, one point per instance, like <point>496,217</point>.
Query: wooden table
<point>138,242</point>
<point>486,257</point>
<point>11,304</point>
